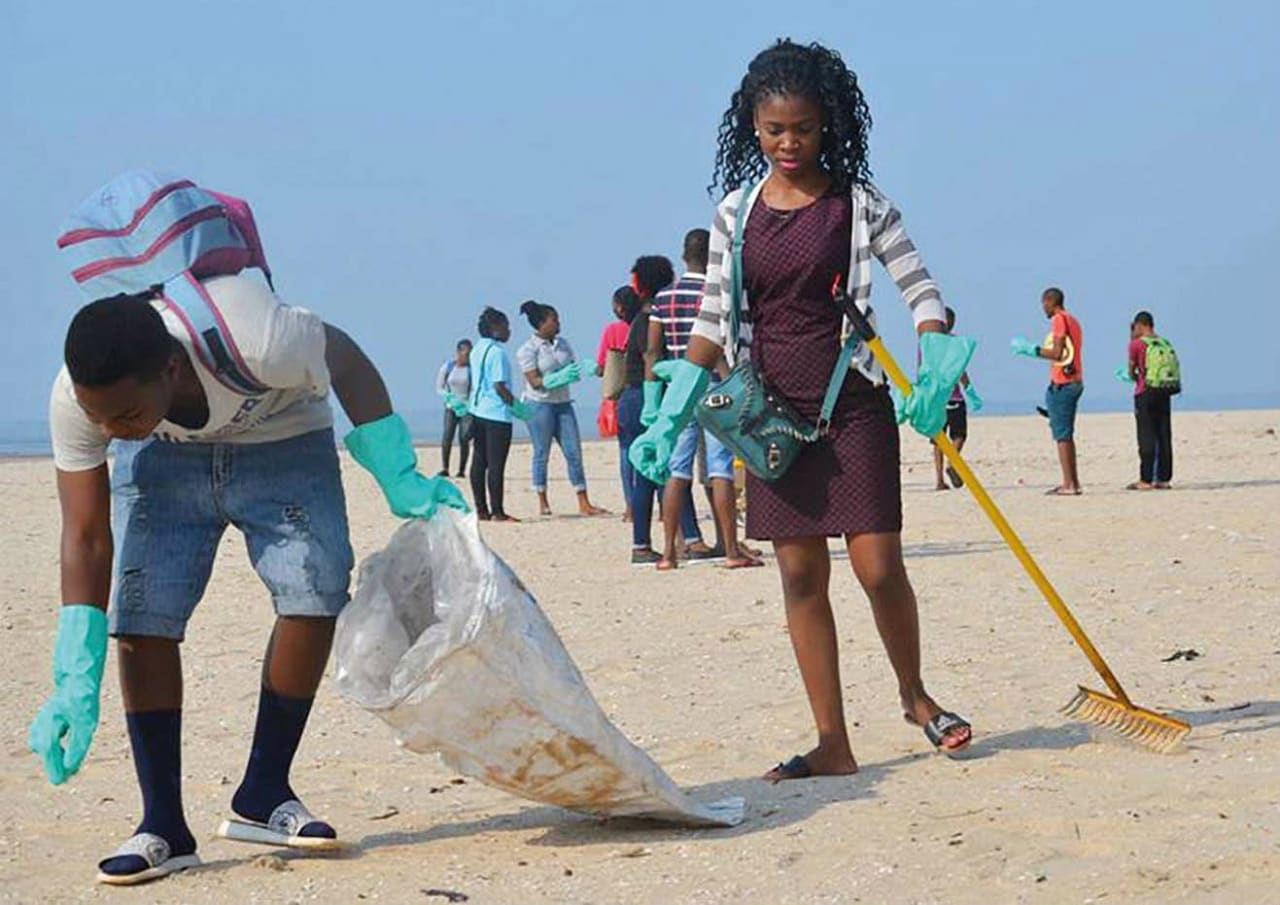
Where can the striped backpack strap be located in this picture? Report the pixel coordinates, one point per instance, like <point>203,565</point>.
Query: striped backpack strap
<point>187,299</point>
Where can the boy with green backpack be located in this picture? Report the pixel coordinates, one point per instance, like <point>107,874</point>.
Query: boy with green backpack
<point>1157,378</point>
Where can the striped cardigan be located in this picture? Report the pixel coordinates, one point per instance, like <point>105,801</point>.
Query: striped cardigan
<point>877,230</point>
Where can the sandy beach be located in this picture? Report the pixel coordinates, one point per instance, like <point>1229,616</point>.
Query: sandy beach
<point>696,667</point>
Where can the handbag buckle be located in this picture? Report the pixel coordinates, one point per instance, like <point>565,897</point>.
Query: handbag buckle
<point>718,401</point>
<point>773,457</point>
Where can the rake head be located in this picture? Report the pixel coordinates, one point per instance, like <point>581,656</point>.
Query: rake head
<point>1146,727</point>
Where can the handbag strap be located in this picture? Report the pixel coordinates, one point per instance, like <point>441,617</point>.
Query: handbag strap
<point>836,382</point>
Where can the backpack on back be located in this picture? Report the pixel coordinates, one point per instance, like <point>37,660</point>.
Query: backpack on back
<point>1163,371</point>
<point>143,232</point>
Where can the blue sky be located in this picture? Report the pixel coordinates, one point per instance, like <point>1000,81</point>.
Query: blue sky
<point>412,162</point>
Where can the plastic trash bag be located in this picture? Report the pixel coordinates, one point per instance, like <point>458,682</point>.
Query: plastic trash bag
<point>445,644</point>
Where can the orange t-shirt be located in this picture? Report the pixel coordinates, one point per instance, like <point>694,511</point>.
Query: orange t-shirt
<point>1071,370</point>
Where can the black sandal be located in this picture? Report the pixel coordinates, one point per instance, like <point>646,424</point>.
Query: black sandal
<point>796,768</point>
<point>942,725</point>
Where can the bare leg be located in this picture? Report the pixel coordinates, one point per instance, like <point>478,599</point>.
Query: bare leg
<point>150,673</point>
<point>672,500</point>
<point>806,576</point>
<point>544,505</point>
<point>723,503</point>
<point>877,563</point>
<point>296,655</point>
<point>1067,459</point>
<point>939,484</point>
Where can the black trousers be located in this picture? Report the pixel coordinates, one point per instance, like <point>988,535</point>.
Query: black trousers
<point>489,464</point>
<point>462,427</point>
<point>1151,409</point>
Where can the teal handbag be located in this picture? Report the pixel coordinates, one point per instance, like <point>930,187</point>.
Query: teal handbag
<point>757,424</point>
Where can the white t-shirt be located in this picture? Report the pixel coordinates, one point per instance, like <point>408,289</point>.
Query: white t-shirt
<point>545,356</point>
<point>283,348</point>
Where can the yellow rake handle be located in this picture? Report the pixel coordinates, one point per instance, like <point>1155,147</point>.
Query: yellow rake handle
<point>1006,530</point>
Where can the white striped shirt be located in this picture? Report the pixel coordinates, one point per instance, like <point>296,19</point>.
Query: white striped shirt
<point>877,230</point>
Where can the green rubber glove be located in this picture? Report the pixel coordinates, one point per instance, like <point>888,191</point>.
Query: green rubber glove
<point>71,712</point>
<point>457,405</point>
<point>972,397</point>
<point>570,373</point>
<point>651,452</point>
<point>1023,346</point>
<point>652,391</point>
<point>385,450</point>
<point>521,409</point>
<point>1123,375</point>
<point>943,358</point>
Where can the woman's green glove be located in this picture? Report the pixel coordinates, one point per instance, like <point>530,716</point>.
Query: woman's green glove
<point>71,712</point>
<point>1023,346</point>
<point>972,397</point>
<point>385,449</point>
<point>651,451</point>
<point>943,359</point>
<point>1123,375</point>
<point>570,373</point>
<point>521,409</point>
<point>456,405</point>
<point>652,391</point>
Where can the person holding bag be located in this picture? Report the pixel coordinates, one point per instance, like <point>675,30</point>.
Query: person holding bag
<point>815,423</point>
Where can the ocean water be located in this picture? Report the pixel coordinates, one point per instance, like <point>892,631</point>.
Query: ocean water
<point>30,438</point>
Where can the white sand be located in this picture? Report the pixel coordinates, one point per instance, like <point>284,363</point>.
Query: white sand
<point>697,668</point>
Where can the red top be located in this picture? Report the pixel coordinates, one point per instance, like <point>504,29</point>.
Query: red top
<point>1065,324</point>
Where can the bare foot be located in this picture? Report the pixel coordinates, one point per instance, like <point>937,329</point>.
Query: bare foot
<point>941,486</point>
<point>592,511</point>
<point>818,762</point>
<point>503,517</point>
<point>544,511</point>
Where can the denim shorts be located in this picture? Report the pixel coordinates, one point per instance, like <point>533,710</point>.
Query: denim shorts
<point>171,503</point>
<point>719,459</point>
<point>1061,400</point>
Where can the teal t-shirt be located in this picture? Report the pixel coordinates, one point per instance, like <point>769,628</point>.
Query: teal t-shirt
<point>491,366</point>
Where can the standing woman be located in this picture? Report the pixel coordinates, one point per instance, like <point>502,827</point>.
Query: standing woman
<point>626,305</point>
<point>793,149</point>
<point>453,383</point>
<point>550,366</point>
<point>491,405</point>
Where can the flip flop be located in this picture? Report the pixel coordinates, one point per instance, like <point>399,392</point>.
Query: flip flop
<point>1062,491</point>
<point>939,727</point>
<point>742,562</point>
<point>956,480</point>
<point>796,768</point>
<point>709,553</point>
<point>145,857</point>
<point>289,826</point>
<point>645,557</point>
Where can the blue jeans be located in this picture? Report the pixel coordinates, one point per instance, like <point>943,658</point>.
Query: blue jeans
<point>643,491</point>
<point>171,502</point>
<point>556,421</point>
<point>629,405</point>
<point>1061,400</point>
<point>719,459</point>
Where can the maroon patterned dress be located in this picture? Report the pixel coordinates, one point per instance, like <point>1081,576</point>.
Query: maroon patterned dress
<point>848,482</point>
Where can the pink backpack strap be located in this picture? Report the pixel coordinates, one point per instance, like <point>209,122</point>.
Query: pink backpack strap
<point>189,301</point>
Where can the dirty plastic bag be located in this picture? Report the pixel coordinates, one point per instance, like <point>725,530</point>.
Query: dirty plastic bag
<point>444,643</point>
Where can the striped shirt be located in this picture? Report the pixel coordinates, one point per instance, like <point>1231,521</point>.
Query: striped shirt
<point>676,308</point>
<point>877,230</point>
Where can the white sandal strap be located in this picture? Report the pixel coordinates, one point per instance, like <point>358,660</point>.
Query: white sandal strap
<point>289,818</point>
<point>151,848</point>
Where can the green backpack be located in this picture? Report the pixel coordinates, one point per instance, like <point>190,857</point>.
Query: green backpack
<point>1163,371</point>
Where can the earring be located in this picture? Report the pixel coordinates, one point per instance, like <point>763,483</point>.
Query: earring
<point>757,133</point>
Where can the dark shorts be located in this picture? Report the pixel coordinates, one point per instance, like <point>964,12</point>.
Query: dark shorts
<point>957,420</point>
<point>1062,399</point>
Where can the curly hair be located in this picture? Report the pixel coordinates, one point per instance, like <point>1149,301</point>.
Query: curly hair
<point>814,72</point>
<point>490,318</point>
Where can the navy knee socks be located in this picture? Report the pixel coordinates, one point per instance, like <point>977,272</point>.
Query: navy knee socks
<point>281,721</point>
